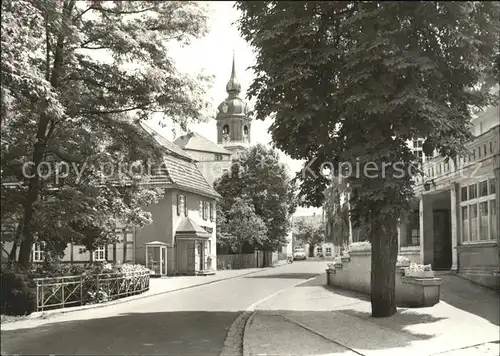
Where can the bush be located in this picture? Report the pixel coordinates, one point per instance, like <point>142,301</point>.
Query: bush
<point>18,293</point>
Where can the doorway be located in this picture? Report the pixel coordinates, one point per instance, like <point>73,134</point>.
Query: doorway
<point>442,240</point>
<point>201,253</point>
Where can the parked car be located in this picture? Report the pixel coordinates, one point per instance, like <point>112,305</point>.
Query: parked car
<point>299,254</point>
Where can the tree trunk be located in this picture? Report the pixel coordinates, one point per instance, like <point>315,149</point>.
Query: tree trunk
<point>43,134</point>
<point>13,251</point>
<point>32,195</point>
<point>384,240</point>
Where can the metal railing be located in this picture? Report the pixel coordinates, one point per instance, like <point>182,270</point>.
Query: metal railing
<point>69,291</point>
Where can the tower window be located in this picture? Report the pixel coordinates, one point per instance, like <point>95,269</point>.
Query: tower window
<point>225,130</point>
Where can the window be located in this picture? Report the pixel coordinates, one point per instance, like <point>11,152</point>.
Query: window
<point>328,251</point>
<point>38,252</point>
<point>205,210</point>
<point>319,250</point>
<point>209,247</point>
<point>493,219</point>
<point>225,130</point>
<point>412,231</point>
<point>465,223</point>
<point>181,205</point>
<point>478,211</point>
<point>464,194</point>
<point>483,188</point>
<point>483,221</point>
<point>212,211</point>
<point>473,222</point>
<point>218,157</point>
<point>473,191</point>
<point>100,254</point>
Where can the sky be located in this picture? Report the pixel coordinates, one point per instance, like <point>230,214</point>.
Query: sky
<point>213,55</point>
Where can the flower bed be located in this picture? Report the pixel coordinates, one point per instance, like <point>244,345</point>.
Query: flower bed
<point>360,246</point>
<point>419,271</point>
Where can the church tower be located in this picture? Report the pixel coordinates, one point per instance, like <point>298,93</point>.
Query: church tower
<point>233,119</point>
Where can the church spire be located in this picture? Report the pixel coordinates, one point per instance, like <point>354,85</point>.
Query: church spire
<point>233,86</point>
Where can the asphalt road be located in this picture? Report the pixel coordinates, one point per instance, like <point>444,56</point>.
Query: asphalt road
<point>186,322</point>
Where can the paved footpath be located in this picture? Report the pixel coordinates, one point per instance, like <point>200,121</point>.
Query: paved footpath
<point>311,319</point>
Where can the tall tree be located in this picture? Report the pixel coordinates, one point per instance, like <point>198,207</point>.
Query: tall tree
<point>242,225</point>
<point>77,78</point>
<point>257,173</point>
<point>353,81</point>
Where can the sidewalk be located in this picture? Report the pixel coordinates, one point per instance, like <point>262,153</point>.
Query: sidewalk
<point>157,286</point>
<point>312,319</point>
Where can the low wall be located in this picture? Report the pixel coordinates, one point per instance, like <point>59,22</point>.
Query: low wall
<point>479,263</point>
<point>354,273</point>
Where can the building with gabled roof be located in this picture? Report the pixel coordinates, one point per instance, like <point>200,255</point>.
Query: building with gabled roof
<point>181,239</point>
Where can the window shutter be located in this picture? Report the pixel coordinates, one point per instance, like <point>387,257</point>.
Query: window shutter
<point>185,206</point>
<point>178,205</point>
<point>201,208</point>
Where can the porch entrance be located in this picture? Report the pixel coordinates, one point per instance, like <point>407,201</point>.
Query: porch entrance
<point>191,248</point>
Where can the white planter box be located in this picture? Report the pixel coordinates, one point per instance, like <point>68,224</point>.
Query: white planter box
<point>420,274</point>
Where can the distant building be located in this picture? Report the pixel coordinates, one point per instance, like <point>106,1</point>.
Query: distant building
<point>212,159</point>
<point>234,123</point>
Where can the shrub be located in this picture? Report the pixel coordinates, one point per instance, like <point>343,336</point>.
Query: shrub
<point>18,293</point>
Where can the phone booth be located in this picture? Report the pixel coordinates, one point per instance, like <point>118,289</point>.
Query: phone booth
<point>156,258</point>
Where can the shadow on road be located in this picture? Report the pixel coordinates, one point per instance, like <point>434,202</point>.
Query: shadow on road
<point>285,276</point>
<point>165,333</point>
<point>345,327</point>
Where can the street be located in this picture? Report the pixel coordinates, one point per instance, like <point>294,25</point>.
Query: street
<point>186,322</point>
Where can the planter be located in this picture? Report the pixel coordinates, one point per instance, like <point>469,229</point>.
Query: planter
<point>419,274</point>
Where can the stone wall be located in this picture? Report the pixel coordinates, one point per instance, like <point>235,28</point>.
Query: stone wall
<point>354,273</point>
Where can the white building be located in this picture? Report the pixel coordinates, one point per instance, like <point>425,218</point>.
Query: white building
<point>454,223</point>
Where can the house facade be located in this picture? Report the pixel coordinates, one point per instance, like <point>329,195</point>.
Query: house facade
<point>454,223</point>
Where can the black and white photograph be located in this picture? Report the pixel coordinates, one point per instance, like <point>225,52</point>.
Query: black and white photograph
<point>250,178</point>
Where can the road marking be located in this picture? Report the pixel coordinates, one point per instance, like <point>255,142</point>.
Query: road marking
<point>254,305</point>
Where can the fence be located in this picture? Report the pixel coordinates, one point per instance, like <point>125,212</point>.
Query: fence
<point>247,260</point>
<point>282,256</point>
<point>258,259</point>
<point>63,292</point>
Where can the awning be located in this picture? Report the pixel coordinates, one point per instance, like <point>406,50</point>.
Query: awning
<point>188,229</point>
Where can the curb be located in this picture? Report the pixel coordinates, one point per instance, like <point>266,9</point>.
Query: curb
<point>42,315</point>
<point>253,311</point>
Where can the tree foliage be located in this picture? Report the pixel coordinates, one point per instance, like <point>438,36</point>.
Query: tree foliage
<point>353,81</point>
<point>257,174</point>
<point>309,232</point>
<point>242,225</point>
<point>77,79</point>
